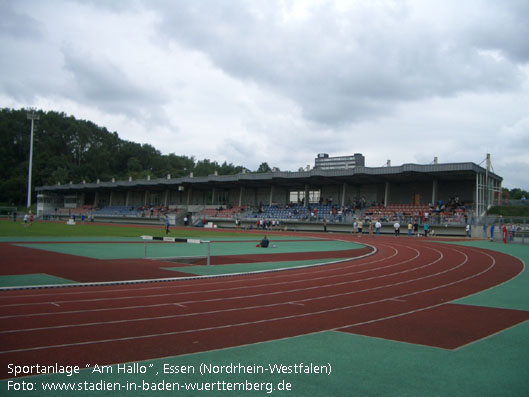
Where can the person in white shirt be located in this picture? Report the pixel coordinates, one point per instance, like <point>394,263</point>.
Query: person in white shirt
<point>396,226</point>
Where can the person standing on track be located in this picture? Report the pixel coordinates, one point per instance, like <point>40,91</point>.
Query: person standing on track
<point>396,226</point>
<point>167,224</point>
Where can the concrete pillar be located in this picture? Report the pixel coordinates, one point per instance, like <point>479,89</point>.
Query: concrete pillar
<point>240,196</point>
<point>434,191</point>
<point>386,194</point>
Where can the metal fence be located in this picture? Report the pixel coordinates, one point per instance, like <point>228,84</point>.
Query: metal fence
<point>491,227</point>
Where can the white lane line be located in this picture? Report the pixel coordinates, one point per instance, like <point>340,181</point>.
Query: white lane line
<point>149,336</point>
<point>195,283</point>
<point>240,296</point>
<point>220,289</point>
<point>298,302</point>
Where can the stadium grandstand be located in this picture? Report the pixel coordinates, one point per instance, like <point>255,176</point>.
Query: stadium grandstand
<point>451,195</point>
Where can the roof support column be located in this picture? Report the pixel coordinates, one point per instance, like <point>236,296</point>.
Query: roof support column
<point>213,193</point>
<point>386,194</point>
<point>165,199</point>
<point>344,188</point>
<point>146,198</point>
<point>188,196</point>
<point>476,202</point>
<point>434,191</point>
<point>110,202</point>
<point>271,195</point>
<point>306,201</point>
<point>96,199</point>
<point>127,198</point>
<point>240,196</point>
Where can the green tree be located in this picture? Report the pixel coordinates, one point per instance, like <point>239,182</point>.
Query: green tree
<point>264,167</point>
<point>67,149</point>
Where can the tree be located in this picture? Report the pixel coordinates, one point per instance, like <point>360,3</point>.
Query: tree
<point>66,149</point>
<point>264,167</point>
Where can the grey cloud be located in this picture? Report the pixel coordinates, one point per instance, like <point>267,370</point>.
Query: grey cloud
<point>16,24</point>
<point>504,28</point>
<point>333,67</point>
<point>105,86</point>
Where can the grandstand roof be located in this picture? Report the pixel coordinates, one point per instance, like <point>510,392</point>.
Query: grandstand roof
<point>318,177</point>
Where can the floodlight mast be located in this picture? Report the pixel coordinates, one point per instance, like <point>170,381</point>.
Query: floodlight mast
<point>32,115</point>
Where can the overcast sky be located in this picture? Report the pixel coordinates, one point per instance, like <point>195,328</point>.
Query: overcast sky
<point>281,81</point>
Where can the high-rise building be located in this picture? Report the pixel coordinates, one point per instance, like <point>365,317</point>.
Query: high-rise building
<point>324,162</point>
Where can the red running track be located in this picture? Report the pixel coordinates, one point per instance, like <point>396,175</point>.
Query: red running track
<point>107,325</point>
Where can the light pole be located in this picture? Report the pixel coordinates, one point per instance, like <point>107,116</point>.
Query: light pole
<point>31,116</point>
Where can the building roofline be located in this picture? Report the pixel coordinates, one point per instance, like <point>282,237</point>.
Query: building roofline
<point>241,178</point>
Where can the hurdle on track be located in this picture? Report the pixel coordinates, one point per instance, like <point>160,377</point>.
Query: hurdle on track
<point>178,240</point>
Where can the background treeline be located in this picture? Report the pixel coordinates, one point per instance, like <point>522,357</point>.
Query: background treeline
<point>66,149</point>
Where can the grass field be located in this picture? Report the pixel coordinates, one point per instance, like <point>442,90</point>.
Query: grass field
<point>60,229</point>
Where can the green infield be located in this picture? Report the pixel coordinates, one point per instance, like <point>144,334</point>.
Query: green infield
<point>32,279</point>
<point>124,242</point>
<point>125,250</point>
